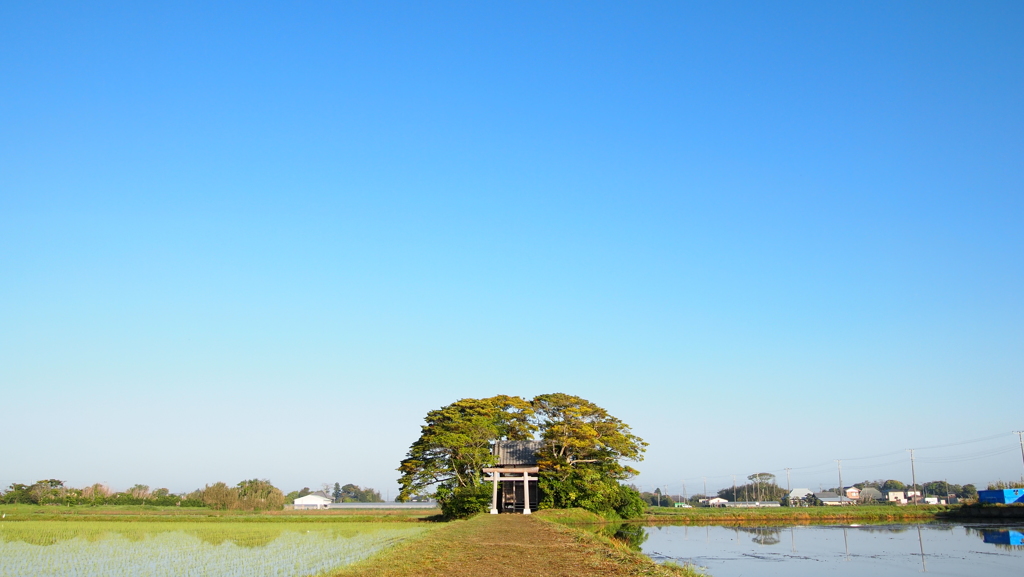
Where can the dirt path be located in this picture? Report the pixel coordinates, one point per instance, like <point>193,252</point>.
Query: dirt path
<point>504,545</point>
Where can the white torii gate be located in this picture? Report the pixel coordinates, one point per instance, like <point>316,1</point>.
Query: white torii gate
<point>496,477</point>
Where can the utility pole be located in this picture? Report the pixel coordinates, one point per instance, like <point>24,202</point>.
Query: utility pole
<point>788,488</point>
<point>842,493</point>
<point>734,487</point>
<point>705,487</point>
<point>684,492</point>
<point>1020,437</point>
<point>913,474</point>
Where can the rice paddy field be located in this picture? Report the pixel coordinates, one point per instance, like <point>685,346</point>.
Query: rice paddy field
<point>89,548</point>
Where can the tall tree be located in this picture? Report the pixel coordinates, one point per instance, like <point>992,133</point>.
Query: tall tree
<point>258,495</point>
<point>575,430</point>
<point>337,494</point>
<point>455,442</point>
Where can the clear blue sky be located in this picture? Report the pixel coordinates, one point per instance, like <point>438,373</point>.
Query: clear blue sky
<point>263,240</point>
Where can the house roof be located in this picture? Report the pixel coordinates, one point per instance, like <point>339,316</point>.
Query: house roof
<point>312,498</point>
<point>517,453</point>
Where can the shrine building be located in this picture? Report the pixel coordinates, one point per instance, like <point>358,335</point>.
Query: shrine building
<point>514,477</point>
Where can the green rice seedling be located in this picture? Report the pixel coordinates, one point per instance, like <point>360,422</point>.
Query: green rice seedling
<point>88,549</point>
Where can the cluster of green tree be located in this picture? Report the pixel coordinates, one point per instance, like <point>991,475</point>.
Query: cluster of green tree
<point>1001,485</point>
<point>355,494</point>
<point>341,494</point>
<point>55,492</point>
<point>250,495</point>
<point>658,499</point>
<point>928,489</point>
<point>579,462</point>
<point>761,488</point>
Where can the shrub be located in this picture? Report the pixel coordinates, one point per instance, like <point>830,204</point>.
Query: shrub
<point>462,502</point>
<point>591,489</point>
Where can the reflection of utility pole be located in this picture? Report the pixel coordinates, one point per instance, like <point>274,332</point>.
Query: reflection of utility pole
<point>913,476</point>
<point>842,493</point>
<point>920,541</point>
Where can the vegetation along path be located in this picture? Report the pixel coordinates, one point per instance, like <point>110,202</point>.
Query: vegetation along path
<point>508,545</point>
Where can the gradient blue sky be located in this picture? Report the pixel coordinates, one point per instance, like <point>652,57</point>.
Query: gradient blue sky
<point>263,240</point>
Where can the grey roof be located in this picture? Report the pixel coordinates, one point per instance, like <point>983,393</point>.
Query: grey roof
<point>517,453</point>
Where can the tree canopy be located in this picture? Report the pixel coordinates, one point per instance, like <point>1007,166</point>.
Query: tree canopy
<point>455,442</point>
<point>575,430</point>
<point>580,462</point>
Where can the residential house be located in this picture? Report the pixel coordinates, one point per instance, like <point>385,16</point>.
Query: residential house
<point>852,492</point>
<point>870,495</point>
<point>832,499</point>
<point>796,496</point>
<point>894,496</point>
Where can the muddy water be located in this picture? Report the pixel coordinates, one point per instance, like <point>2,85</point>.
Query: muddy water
<point>955,550</point>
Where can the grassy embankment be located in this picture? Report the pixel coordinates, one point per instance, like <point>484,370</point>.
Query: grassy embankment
<point>797,515</point>
<point>513,545</point>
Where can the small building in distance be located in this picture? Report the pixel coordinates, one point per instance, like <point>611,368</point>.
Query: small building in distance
<point>797,496</point>
<point>832,499</point>
<point>852,492</point>
<point>317,500</point>
<point>1001,496</point>
<point>894,496</point>
<point>714,502</point>
<point>870,495</point>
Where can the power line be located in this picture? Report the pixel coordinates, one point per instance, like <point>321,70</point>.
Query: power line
<point>823,467</point>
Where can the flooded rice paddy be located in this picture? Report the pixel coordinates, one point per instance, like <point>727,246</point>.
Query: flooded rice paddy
<point>94,549</point>
<point>955,550</point>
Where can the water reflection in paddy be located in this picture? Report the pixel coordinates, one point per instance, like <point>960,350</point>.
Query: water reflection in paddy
<point>884,551</point>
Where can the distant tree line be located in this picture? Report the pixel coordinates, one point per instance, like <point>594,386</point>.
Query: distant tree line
<point>250,495</point>
<point>55,492</point>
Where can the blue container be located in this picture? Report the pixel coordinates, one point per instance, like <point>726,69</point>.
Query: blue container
<point>1003,496</point>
